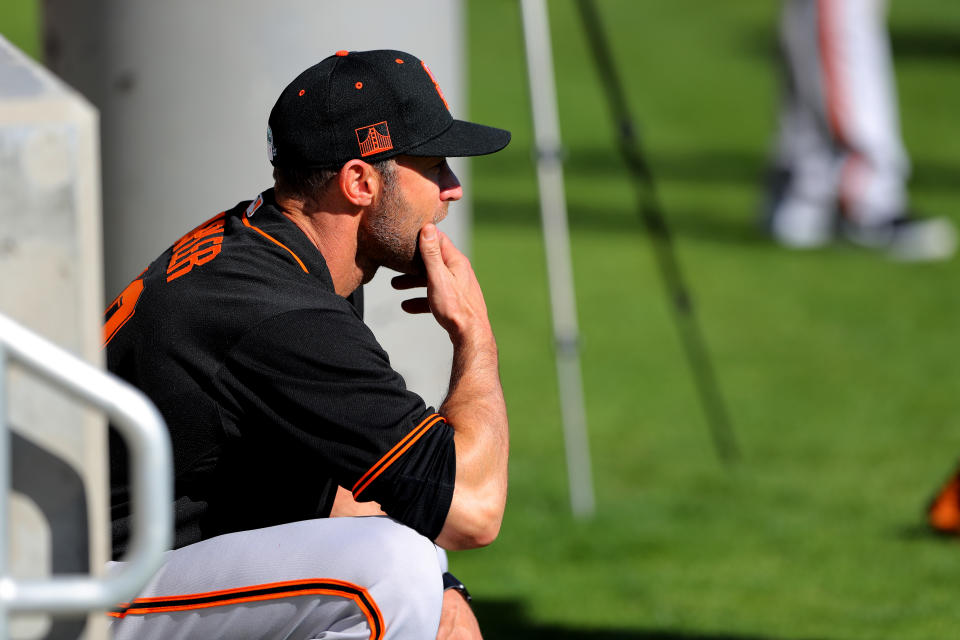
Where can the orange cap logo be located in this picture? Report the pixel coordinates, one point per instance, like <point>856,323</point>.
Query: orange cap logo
<point>374,138</point>
<point>435,84</point>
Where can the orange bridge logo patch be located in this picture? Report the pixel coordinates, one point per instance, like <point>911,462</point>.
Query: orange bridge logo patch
<point>374,138</point>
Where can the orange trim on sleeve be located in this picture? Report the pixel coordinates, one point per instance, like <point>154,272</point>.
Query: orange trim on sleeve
<point>391,456</point>
<point>259,593</point>
<point>269,237</point>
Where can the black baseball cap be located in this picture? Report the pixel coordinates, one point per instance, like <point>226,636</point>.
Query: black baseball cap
<point>370,105</point>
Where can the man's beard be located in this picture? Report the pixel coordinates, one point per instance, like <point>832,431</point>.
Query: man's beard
<point>389,239</point>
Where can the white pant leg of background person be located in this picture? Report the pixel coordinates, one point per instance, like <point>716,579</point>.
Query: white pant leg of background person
<point>862,105</point>
<point>839,128</point>
<point>328,578</point>
<point>803,216</point>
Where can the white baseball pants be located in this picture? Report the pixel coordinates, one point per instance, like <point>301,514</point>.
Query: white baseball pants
<point>334,578</point>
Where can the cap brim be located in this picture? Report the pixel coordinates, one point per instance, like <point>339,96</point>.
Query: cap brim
<point>463,139</point>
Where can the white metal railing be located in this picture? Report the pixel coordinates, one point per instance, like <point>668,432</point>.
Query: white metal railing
<point>141,425</point>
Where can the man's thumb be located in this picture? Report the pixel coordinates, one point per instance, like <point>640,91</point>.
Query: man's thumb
<point>430,243</point>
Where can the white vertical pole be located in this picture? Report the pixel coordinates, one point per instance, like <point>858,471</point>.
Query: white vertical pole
<point>5,466</point>
<point>553,215</point>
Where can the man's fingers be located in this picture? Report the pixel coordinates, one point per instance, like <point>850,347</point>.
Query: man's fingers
<point>415,305</point>
<point>408,281</point>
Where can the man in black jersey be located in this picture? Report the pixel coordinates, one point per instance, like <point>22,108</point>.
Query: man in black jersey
<point>282,408</point>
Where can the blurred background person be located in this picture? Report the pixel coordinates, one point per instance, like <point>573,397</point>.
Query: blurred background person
<point>840,163</point>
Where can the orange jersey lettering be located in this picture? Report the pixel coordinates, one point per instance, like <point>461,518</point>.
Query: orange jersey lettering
<point>200,246</point>
<point>121,310</point>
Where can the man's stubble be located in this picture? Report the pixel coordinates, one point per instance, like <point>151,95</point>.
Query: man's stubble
<point>391,237</point>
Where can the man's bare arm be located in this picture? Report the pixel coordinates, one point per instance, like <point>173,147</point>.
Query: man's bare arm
<point>474,407</point>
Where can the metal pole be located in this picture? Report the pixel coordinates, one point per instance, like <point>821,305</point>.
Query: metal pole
<point>5,467</point>
<point>553,215</point>
<point>711,400</point>
<point>151,462</point>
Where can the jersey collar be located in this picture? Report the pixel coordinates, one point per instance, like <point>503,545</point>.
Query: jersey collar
<point>263,214</point>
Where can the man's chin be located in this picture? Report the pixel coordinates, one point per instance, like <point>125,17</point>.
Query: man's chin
<point>413,266</point>
<point>368,275</point>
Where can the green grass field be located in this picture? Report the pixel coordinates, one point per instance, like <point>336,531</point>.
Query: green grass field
<point>839,367</point>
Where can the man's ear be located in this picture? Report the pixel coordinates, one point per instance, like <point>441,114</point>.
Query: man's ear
<point>359,183</point>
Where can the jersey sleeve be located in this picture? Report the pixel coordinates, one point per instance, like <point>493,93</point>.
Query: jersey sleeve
<point>318,379</point>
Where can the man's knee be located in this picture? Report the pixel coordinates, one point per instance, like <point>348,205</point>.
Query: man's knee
<point>402,572</point>
<point>395,553</point>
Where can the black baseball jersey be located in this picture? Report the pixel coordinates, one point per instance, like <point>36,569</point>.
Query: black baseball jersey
<point>272,387</point>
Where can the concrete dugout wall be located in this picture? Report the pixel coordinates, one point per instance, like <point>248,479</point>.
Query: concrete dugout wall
<point>50,281</point>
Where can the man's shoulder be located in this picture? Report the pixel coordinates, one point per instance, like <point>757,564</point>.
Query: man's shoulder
<point>248,254</point>
<point>252,241</point>
<point>226,276</point>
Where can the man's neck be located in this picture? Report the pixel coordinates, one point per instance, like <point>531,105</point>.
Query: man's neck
<point>335,237</point>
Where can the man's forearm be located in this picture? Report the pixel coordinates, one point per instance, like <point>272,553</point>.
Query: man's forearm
<point>476,411</point>
<point>474,407</point>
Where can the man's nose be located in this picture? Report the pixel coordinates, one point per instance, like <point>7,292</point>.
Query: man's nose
<point>450,188</point>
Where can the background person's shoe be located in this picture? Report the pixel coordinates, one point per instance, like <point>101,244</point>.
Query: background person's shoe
<point>802,225</point>
<point>908,238</point>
